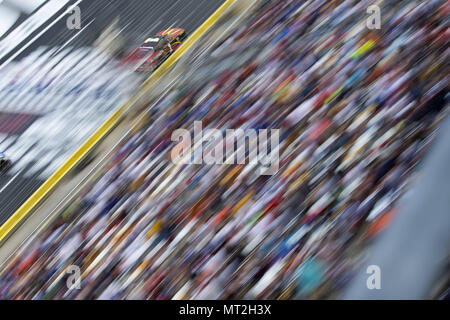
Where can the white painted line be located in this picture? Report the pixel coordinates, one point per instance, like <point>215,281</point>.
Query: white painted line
<point>11,180</point>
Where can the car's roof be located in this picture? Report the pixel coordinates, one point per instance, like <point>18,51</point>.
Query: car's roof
<point>153,40</point>
<point>168,33</point>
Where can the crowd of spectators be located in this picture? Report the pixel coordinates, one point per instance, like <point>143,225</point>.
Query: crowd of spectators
<point>356,109</point>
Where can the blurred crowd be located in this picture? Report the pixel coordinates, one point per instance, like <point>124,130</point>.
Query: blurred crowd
<point>356,109</point>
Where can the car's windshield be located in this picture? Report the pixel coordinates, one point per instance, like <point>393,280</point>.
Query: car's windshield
<point>156,43</point>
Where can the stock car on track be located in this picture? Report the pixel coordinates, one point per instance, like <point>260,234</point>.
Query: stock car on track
<point>155,50</point>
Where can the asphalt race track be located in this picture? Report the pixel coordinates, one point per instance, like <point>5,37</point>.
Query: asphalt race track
<point>136,21</point>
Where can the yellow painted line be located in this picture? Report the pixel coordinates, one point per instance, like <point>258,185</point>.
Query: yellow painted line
<point>45,189</point>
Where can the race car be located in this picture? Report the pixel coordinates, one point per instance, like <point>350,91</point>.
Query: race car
<point>155,50</point>
<point>5,163</point>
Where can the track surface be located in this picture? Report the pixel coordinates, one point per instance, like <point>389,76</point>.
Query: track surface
<point>136,20</point>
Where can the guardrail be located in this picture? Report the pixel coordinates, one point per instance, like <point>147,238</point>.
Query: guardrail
<point>48,186</point>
